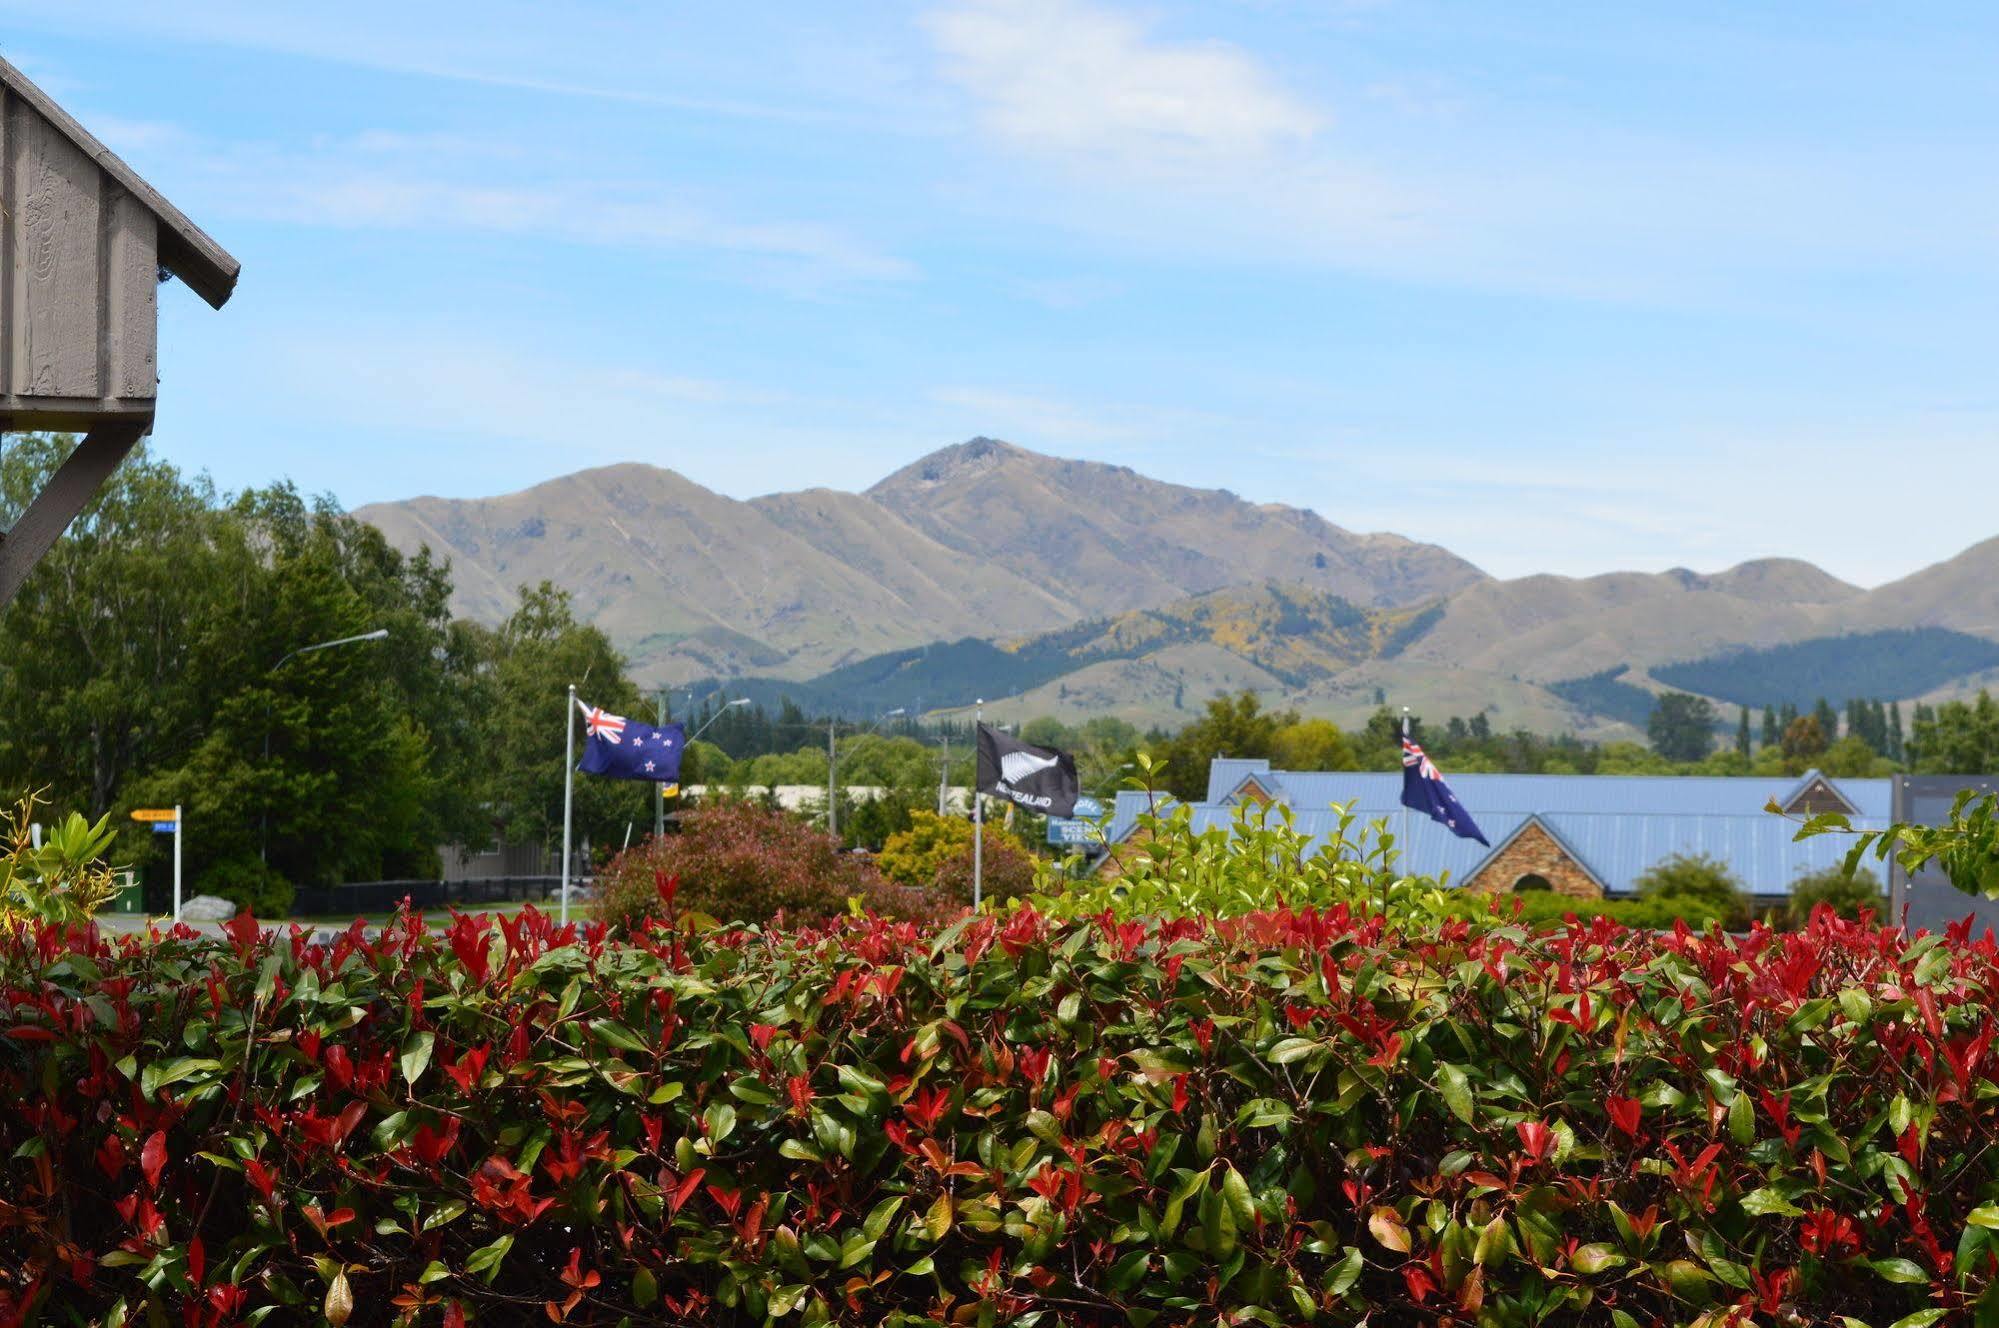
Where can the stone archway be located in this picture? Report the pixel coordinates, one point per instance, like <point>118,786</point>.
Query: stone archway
<point>1532,883</point>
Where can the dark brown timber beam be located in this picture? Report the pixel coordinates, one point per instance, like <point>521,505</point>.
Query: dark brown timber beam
<point>72,487</point>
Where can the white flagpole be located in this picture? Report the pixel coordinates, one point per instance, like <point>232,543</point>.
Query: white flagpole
<point>1405,806</point>
<point>978,811</point>
<point>568,791</point>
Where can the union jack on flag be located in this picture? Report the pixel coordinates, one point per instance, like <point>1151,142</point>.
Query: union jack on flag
<point>1414,755</point>
<point>619,749</point>
<point>602,724</point>
<point>1424,790</point>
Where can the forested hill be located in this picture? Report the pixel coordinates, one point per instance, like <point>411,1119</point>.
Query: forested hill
<point>1898,663</point>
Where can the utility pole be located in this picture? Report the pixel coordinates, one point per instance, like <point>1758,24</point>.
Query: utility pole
<point>944,780</point>
<point>659,790</point>
<point>832,767</point>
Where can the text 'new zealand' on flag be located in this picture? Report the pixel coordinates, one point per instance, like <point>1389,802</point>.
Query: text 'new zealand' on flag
<point>1040,779</point>
<point>1424,790</point>
<point>620,748</point>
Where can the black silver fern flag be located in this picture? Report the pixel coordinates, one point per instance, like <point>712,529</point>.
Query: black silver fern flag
<point>1040,779</point>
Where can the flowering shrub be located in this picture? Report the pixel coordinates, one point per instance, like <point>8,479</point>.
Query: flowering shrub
<point>1280,1118</point>
<point>742,862</point>
<point>939,848</point>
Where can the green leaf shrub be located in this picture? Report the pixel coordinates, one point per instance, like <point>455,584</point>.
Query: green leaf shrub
<point>1260,861</point>
<point>1280,1118</point>
<point>1847,893</point>
<point>65,878</point>
<point>1697,882</point>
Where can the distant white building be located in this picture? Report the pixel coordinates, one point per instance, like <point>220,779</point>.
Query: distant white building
<point>807,799</point>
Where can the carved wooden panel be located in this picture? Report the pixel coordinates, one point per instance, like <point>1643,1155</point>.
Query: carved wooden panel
<point>58,294</point>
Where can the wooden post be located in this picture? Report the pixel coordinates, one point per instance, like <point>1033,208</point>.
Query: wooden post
<point>57,505</point>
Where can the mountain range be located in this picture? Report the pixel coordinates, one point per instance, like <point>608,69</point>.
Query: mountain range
<point>1075,588</point>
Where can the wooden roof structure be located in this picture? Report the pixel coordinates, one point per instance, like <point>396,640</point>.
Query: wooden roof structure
<point>84,246</point>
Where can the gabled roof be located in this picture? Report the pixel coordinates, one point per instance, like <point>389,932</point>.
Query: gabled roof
<point>185,249</point>
<point>1225,775</point>
<point>1616,826</point>
<point>1659,795</point>
<point>1789,798</point>
<point>1552,833</point>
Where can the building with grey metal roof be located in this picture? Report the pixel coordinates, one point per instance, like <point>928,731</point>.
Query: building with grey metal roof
<point>1613,827</point>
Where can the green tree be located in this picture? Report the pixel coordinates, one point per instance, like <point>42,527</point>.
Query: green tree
<point>1845,893</point>
<point>1312,744</point>
<point>1235,726</point>
<point>1956,738</point>
<point>1697,877</point>
<point>531,660</point>
<point>1804,740</point>
<point>1742,732</point>
<point>97,652</point>
<point>1852,758</point>
<point>1682,726</point>
<point>1770,732</point>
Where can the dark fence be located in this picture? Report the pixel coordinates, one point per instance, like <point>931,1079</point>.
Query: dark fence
<point>387,896</point>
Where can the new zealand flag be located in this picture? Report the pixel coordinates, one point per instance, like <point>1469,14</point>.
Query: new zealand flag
<point>619,748</point>
<point>1424,790</point>
<point>1040,779</point>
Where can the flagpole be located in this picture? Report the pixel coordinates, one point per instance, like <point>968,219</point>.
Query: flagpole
<point>978,811</point>
<point>1405,806</point>
<point>568,791</point>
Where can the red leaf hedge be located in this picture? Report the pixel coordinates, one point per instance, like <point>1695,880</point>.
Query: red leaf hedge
<point>1284,1118</point>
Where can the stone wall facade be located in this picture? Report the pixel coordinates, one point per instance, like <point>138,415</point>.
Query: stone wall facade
<point>1534,852</point>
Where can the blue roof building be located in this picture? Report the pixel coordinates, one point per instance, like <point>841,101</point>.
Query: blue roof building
<point>1579,834</point>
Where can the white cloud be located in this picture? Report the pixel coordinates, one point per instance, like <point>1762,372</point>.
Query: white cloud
<point>1064,78</point>
<point>389,180</point>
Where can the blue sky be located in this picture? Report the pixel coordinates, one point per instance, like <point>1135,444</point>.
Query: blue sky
<point>1564,288</point>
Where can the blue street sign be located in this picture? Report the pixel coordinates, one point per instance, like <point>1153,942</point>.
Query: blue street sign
<point>165,827</point>
<point>1078,831</point>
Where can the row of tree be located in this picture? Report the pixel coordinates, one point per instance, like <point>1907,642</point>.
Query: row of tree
<point>164,654</point>
<point>155,659</point>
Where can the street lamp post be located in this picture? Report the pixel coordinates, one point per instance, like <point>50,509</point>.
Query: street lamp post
<point>659,801</point>
<point>264,827</point>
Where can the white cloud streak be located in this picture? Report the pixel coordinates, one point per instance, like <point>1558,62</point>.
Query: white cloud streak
<point>1053,76</point>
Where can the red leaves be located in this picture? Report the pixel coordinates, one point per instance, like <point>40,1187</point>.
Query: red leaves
<point>469,1068</point>
<point>952,1060</point>
<point>244,931</point>
<point>927,1107</point>
<point>153,1158</point>
<point>1697,1176</point>
<point>1828,1234</point>
<point>260,1176</point>
<point>433,1146</point>
<point>471,944</point>
<point>110,1156</point>
<point>325,1222</point>
<point>677,1199</point>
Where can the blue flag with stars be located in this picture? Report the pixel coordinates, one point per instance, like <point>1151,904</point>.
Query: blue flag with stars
<point>1424,790</point>
<point>620,748</point>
